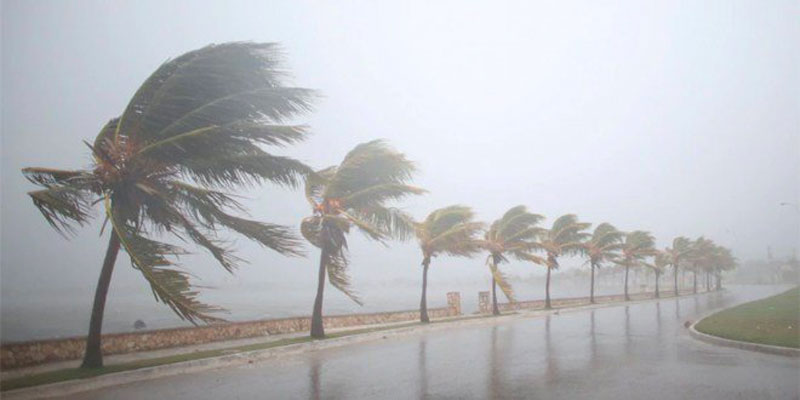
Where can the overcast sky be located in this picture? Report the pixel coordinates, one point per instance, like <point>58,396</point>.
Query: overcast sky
<point>681,118</point>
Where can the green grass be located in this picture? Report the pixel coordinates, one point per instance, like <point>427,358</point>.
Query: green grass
<point>79,373</point>
<point>773,321</point>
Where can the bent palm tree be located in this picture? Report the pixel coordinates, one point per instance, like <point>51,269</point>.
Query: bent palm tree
<point>450,230</point>
<point>659,265</point>
<point>514,234</point>
<point>701,252</point>
<point>724,261</point>
<point>637,246</point>
<point>681,248</point>
<point>604,245</point>
<point>565,237</point>
<point>191,130</point>
<point>354,193</point>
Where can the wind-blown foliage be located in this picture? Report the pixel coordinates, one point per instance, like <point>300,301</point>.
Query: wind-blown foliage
<point>661,260</point>
<point>512,235</point>
<point>355,193</point>
<point>700,257</point>
<point>565,237</point>
<point>676,256</point>
<point>196,127</point>
<point>638,245</point>
<point>603,246</point>
<point>450,231</point>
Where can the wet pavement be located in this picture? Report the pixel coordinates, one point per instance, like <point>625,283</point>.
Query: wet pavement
<point>638,351</point>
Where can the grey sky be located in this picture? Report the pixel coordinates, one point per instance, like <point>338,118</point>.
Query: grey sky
<point>682,118</point>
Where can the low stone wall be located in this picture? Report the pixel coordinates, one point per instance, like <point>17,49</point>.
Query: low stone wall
<point>485,301</point>
<point>22,354</point>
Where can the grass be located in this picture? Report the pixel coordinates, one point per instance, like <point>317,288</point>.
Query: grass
<point>80,373</point>
<point>773,321</point>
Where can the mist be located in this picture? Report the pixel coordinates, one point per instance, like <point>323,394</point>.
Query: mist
<point>682,119</point>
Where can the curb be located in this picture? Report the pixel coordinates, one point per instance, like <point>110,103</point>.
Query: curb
<point>719,341</point>
<point>71,387</point>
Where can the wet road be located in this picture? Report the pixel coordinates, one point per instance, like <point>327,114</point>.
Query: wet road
<point>637,351</point>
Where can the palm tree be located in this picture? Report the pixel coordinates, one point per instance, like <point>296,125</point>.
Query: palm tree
<point>660,263</point>
<point>637,246</point>
<point>354,193</point>
<point>514,234</point>
<point>701,252</point>
<point>604,245</point>
<point>565,237</point>
<point>449,230</point>
<point>723,260</point>
<point>192,130</point>
<point>681,248</point>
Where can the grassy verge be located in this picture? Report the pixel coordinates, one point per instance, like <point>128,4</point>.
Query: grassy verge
<point>79,373</point>
<point>773,321</point>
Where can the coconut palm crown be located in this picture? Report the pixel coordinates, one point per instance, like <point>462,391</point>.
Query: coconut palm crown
<point>354,194</point>
<point>512,235</point>
<point>603,246</point>
<point>565,237</point>
<point>450,231</point>
<point>193,131</point>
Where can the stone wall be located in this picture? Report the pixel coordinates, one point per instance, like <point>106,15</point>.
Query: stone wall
<point>21,354</point>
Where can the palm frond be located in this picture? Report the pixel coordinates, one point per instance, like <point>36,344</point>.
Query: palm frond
<point>392,222</point>
<point>169,285</point>
<point>367,165</point>
<point>241,82</point>
<point>276,237</point>
<point>378,194</point>
<point>502,282</point>
<point>224,170</point>
<point>63,206</point>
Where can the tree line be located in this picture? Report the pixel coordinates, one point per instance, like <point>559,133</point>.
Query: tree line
<point>197,132</point>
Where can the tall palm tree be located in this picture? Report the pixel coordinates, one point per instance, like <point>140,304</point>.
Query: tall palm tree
<point>680,250</point>
<point>514,234</point>
<point>660,263</point>
<point>638,245</point>
<point>565,237</point>
<point>604,245</point>
<point>451,231</point>
<point>192,130</point>
<point>355,193</point>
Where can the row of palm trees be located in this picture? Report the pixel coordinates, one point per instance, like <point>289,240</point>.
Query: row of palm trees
<point>517,235</point>
<point>196,132</point>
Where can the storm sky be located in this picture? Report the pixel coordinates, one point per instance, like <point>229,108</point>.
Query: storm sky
<point>681,118</point>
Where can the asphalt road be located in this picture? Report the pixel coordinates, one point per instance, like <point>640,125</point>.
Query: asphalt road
<point>639,351</point>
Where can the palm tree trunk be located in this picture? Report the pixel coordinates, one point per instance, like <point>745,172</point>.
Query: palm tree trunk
<point>627,298</point>
<point>547,290</point>
<point>719,281</point>
<point>317,330</point>
<point>695,282</point>
<point>93,358</point>
<point>495,309</point>
<point>591,291</point>
<point>676,280</point>
<point>657,295</point>
<point>423,304</point>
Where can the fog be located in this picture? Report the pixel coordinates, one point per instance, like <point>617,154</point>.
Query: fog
<point>677,118</point>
